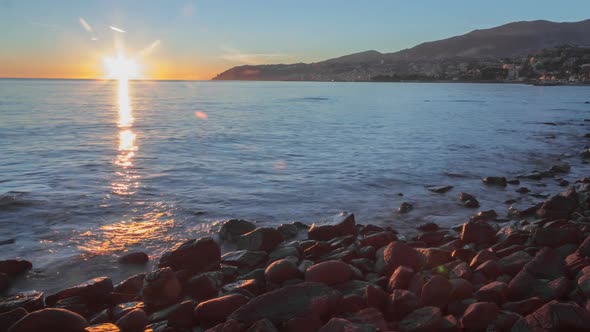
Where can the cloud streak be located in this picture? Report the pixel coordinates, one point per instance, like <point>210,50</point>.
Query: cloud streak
<point>234,55</point>
<point>117,29</point>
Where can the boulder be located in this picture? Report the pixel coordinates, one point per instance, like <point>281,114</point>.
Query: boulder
<point>524,307</point>
<point>400,278</point>
<point>514,262</point>
<point>434,257</point>
<point>219,309</point>
<point>559,206</point>
<point>312,324</point>
<point>461,289</point>
<point>30,301</point>
<point>14,267</point>
<point>260,239</point>
<point>462,271</point>
<point>342,325</point>
<point>400,254</point>
<point>479,315</point>
<point>245,286</point>
<point>104,327</point>
<point>134,258</point>
<point>94,291</point>
<point>161,288</point>
<point>50,320</point>
<point>495,181</point>
<point>178,315</point>
<point>342,224</point>
<point>436,292</point>
<point>428,227</point>
<point>484,216</point>
<point>131,285</point>
<point>263,325</point>
<point>421,320</point>
<point>400,303</point>
<point>378,240</point>
<point>232,229</point>
<point>202,287</point>
<point>440,189</point>
<point>555,237</point>
<point>288,231</point>
<point>405,207</point>
<point>495,291</point>
<point>11,317</point>
<point>329,272</point>
<point>375,297</point>
<point>283,304</point>
<point>371,317</point>
<point>281,270</point>
<point>197,255</point>
<point>245,260</point>
<point>555,316</point>
<point>134,321</point>
<point>505,320</point>
<point>479,233</point>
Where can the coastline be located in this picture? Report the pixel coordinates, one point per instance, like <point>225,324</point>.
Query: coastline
<point>345,275</point>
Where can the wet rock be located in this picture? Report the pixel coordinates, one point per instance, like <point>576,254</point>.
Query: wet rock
<point>561,168</point>
<point>555,316</point>
<point>378,240</point>
<point>432,238</point>
<point>202,287</point>
<point>440,189</point>
<point>405,207</point>
<point>464,254</point>
<point>400,254</point>
<point>329,272</point>
<point>428,227</point>
<point>505,320</point>
<point>14,267</point>
<point>371,317</point>
<point>31,301</point>
<point>400,278</point>
<point>471,204</point>
<point>134,321</point>
<point>436,292</point>
<point>450,324</point>
<point>197,255</point>
<point>461,271</point>
<point>288,231</point>
<point>496,292</point>
<point>161,288</point>
<point>289,302</point>
<point>120,310</point>
<point>559,206</point>
<point>376,297</point>
<point>245,260</point>
<point>218,309</point>
<point>4,282</point>
<point>342,325</point>
<point>246,287</point>
<point>523,190</point>
<point>232,229</point>
<point>461,289</point>
<point>434,257</point>
<point>555,237</point>
<point>263,325</point>
<point>514,262</point>
<point>103,327</point>
<point>342,224</point>
<point>484,216</point>
<point>495,181</point>
<point>11,317</point>
<point>50,320</point>
<point>479,233</point>
<point>75,304</point>
<point>96,291</point>
<point>479,315</point>
<point>260,239</point>
<point>524,307</point>
<point>482,257</point>
<point>281,270</point>
<point>423,319</point>
<point>282,252</point>
<point>491,269</point>
<point>131,285</point>
<point>178,315</point>
<point>134,258</point>
<point>464,197</point>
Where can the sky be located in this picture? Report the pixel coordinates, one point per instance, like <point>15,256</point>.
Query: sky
<point>191,39</point>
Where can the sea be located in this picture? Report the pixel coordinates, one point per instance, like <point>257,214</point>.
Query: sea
<point>93,169</point>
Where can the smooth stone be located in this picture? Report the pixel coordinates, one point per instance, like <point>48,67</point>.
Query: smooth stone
<point>50,320</point>
<point>495,181</point>
<point>104,327</point>
<point>134,258</point>
<point>134,321</point>
<point>260,239</point>
<point>161,288</point>
<point>219,309</point>
<point>232,229</point>
<point>436,292</point>
<point>329,272</point>
<point>555,316</point>
<point>400,303</point>
<point>495,291</point>
<point>479,315</point>
<point>179,314</point>
<point>204,286</point>
<point>197,255</point>
<point>31,301</point>
<point>421,320</point>
<point>281,270</point>
<point>440,189</point>
<point>263,325</point>
<point>405,207</point>
<point>96,291</point>
<point>479,233</point>
<point>11,317</point>
<point>131,285</point>
<point>400,254</point>
<point>339,225</point>
<point>245,259</point>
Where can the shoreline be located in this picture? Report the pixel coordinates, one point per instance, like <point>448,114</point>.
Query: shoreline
<point>340,275</point>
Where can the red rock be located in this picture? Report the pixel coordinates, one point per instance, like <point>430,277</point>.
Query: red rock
<point>465,255</point>
<point>400,254</point>
<point>31,301</point>
<point>161,288</point>
<point>428,227</point>
<point>555,316</point>
<point>484,216</point>
<point>341,325</point>
<point>496,292</point>
<point>11,317</point>
<point>514,262</point>
<point>400,278</point>
<point>351,303</point>
<point>378,240</point>
<point>134,258</point>
<point>104,327</point>
<point>260,239</point>
<point>232,229</point>
<point>202,287</point>
<point>50,320</point>
<point>14,267</point>
<point>289,302</point>
<point>218,309</point>
<point>505,320</point>
<point>559,206</point>
<point>329,272</point>
<point>197,255</point>
<point>460,289</point>
<point>251,286</point>
<point>418,281</point>
<point>281,270</point>
<point>263,325</point>
<point>96,291</point>
<point>524,307</point>
<point>400,303</point>
<point>421,320</point>
<point>450,324</point>
<point>311,324</point>
<point>479,315</point>
<point>336,226</point>
<point>131,285</point>
<point>435,257</point>
<point>491,269</point>
<point>479,233</point>
<point>482,257</point>
<point>229,326</point>
<point>134,321</point>
<point>245,260</point>
<point>462,271</point>
<point>372,317</point>
<point>436,292</point>
<point>376,297</point>
<point>178,315</point>
<point>432,238</point>
<point>555,237</point>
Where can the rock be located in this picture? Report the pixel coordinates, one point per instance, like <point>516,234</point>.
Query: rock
<point>161,288</point>
<point>495,181</point>
<point>4,282</point>
<point>400,254</point>
<point>342,325</point>
<point>312,324</point>
<point>229,326</point>
<point>432,238</point>
<point>371,317</point>
<point>479,315</point>
<point>245,260</point>
<point>405,207</point>
<point>505,320</point>
<point>479,233</point>
<point>471,204</point>
<point>560,168</point>
<point>555,316</point>
<point>435,257</point>
<point>121,309</point>
<point>329,272</point>
<point>11,317</point>
<point>468,200</point>
<point>491,269</point>
<point>342,224</point>
<point>555,237</point>
<point>246,287</point>
<point>260,239</point>
<point>134,321</point>
<point>400,303</point>
<point>400,278</point>
<point>496,292</point>
<point>440,189</point>
<point>95,291</point>
<point>31,301</point>
<point>461,271</point>
<point>428,227</point>
<point>524,307</point>
<point>461,289</point>
<point>522,190</point>
<point>197,255</point>
<point>131,285</point>
<point>450,324</point>
<point>134,258</point>
<point>263,325</point>
<point>14,267</point>
<point>584,285</point>
<point>203,287</point>
<point>559,206</point>
<point>376,297</point>
<point>377,240</point>
<point>423,319</point>
<point>281,270</point>
<point>232,229</point>
<point>104,327</point>
<point>464,254</point>
<point>514,262</point>
<point>282,252</point>
<point>436,292</point>
<point>484,216</point>
<point>283,304</point>
<point>218,309</point>
<point>482,257</point>
<point>178,315</point>
<point>50,320</point>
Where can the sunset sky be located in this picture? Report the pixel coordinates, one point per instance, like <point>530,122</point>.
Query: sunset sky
<point>197,39</point>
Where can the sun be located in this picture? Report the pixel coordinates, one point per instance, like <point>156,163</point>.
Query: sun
<point>121,68</point>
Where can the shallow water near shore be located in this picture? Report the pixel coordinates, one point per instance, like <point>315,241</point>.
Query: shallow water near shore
<point>92,169</point>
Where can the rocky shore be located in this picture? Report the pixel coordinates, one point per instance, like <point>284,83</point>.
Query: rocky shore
<point>528,270</point>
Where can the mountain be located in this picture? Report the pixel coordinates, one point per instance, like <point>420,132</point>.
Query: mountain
<point>511,40</point>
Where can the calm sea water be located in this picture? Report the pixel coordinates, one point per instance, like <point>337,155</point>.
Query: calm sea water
<point>91,169</point>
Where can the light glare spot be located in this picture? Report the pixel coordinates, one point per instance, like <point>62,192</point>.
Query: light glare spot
<point>201,115</point>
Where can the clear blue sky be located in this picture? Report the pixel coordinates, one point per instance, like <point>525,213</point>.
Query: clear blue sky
<point>199,38</point>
